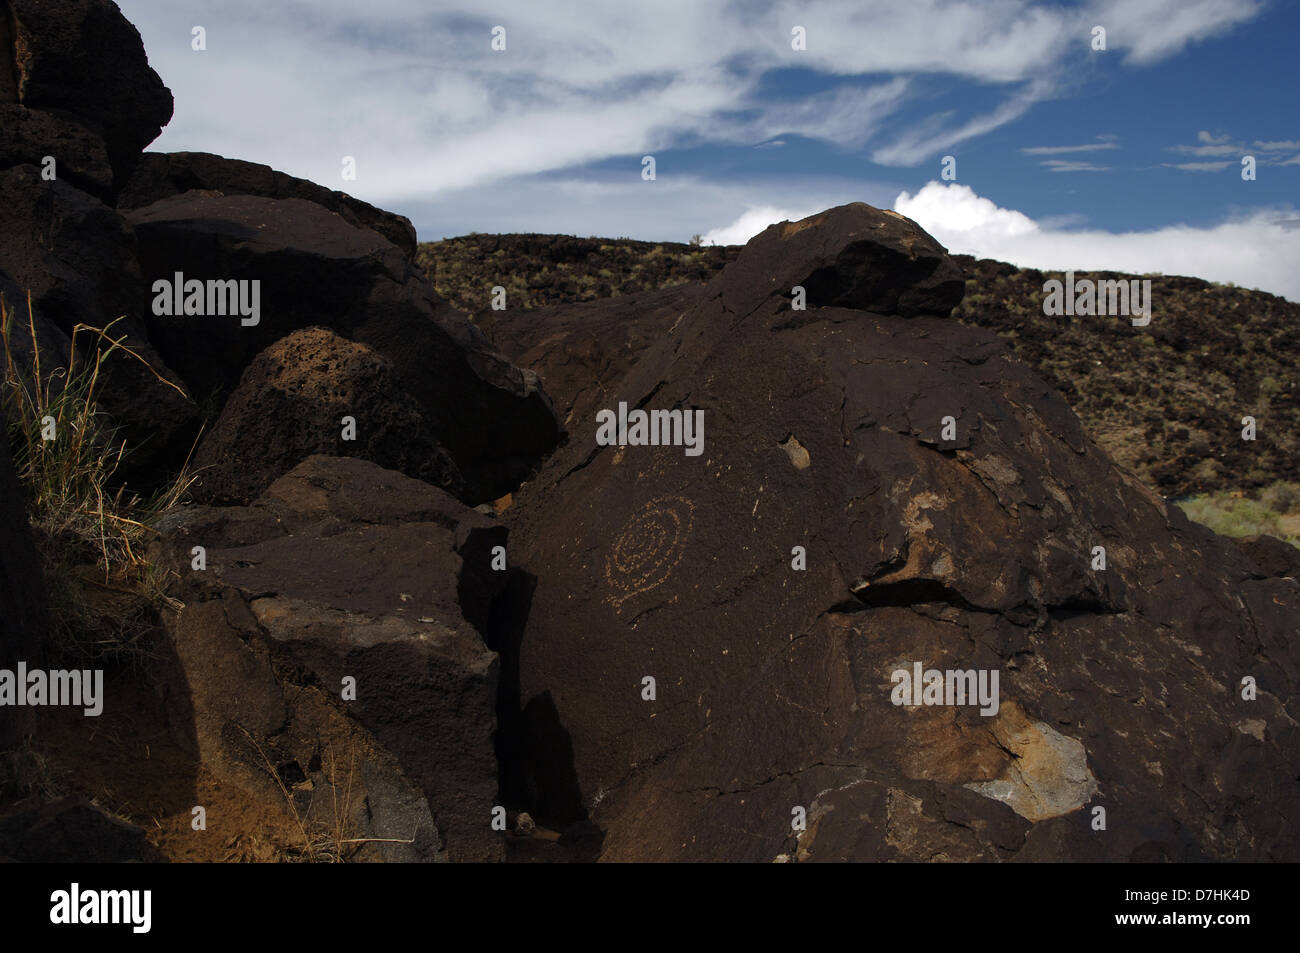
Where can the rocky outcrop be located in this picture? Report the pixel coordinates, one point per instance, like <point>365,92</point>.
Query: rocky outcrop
<point>160,175</point>
<point>1271,556</point>
<point>83,58</point>
<point>852,256</point>
<point>880,491</point>
<point>314,269</point>
<point>581,352</point>
<point>78,103</point>
<point>28,136</point>
<point>76,258</point>
<point>348,604</point>
<point>295,400</point>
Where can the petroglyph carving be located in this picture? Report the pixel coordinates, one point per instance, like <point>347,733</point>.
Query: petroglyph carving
<point>648,548</point>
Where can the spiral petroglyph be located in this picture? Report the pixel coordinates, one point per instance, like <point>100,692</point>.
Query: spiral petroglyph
<point>648,547</point>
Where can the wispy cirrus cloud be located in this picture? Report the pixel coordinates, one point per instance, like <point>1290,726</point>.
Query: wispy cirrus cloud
<point>1068,165</point>
<point>419,98</point>
<point>1067,150</point>
<point>1209,145</point>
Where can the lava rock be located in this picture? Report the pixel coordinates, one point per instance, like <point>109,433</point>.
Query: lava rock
<point>852,256</point>
<point>28,136</point>
<point>72,831</point>
<point>1272,556</point>
<point>83,57</point>
<point>314,269</point>
<point>345,571</point>
<point>76,258</point>
<point>160,175</point>
<point>948,507</point>
<point>290,404</point>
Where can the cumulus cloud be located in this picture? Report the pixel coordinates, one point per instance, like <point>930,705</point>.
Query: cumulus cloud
<point>955,210</point>
<point>1257,250</point>
<point>753,221</point>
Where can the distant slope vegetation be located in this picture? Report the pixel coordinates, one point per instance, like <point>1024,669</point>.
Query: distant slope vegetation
<point>1165,400</point>
<point>542,270</point>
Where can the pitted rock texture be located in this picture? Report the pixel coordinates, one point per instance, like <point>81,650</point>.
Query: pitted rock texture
<point>316,270</point>
<point>298,398</point>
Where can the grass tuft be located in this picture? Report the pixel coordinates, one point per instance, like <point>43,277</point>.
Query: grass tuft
<point>90,531</point>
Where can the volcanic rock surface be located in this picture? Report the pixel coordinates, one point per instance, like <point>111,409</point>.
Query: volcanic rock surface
<point>346,570</point>
<point>160,175</point>
<point>315,269</point>
<point>292,402</point>
<point>84,58</point>
<point>949,508</point>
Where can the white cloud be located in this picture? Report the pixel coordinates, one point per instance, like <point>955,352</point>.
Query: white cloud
<point>1270,153</point>
<point>928,138</point>
<point>414,92</point>
<point>672,208</point>
<point>1258,250</point>
<point>1199,166</point>
<point>1063,150</point>
<point>753,221</point>
<point>1217,150</point>
<point>957,210</point>
<point>1153,30</point>
<point>1066,165</point>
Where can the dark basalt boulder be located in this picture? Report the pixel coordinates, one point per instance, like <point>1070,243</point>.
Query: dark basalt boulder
<point>948,508</point>
<point>1272,556</point>
<point>345,570</point>
<point>582,351</point>
<point>76,258</point>
<point>315,269</point>
<point>291,403</point>
<point>28,136</point>
<point>70,250</point>
<point>852,256</point>
<point>160,175</point>
<point>83,57</point>
<point>72,831</point>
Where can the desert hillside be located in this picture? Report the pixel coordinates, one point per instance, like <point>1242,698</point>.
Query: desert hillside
<point>1166,402</point>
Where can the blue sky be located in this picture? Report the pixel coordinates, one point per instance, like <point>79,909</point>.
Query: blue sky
<point>1066,156</point>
